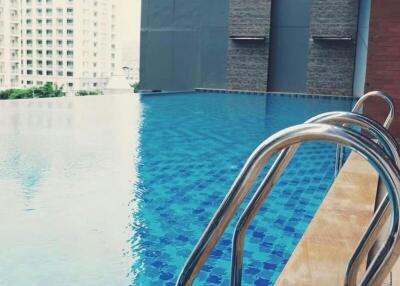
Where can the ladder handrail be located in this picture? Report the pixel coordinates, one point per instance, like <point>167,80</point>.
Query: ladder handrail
<point>360,104</point>
<point>358,108</point>
<point>366,242</point>
<point>280,164</point>
<point>262,154</point>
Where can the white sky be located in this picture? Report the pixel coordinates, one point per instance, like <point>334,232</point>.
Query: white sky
<point>128,25</point>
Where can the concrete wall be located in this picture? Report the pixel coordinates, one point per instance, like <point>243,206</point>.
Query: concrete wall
<point>331,63</point>
<point>183,44</point>
<point>383,67</point>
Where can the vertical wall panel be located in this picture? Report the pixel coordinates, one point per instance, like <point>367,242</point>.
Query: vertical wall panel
<point>289,45</point>
<point>174,34</point>
<point>331,63</point>
<point>248,60</point>
<point>249,17</point>
<point>248,65</point>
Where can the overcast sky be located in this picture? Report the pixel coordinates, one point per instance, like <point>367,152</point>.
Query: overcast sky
<point>128,24</point>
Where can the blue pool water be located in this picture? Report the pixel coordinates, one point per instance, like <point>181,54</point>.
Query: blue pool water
<point>116,190</point>
<point>191,149</point>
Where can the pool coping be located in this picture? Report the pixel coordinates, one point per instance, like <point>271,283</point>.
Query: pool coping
<point>228,91</point>
<point>321,255</point>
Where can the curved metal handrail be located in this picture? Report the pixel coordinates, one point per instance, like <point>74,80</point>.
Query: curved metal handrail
<point>358,108</point>
<point>382,212</point>
<point>340,118</point>
<point>360,104</point>
<point>282,140</point>
<point>367,241</point>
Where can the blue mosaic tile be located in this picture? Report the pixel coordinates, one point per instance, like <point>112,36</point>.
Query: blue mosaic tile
<point>191,149</point>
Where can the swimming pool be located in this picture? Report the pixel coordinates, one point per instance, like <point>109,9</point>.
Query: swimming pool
<point>117,190</point>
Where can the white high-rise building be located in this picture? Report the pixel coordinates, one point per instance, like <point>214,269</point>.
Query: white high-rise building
<point>70,43</point>
<point>9,44</point>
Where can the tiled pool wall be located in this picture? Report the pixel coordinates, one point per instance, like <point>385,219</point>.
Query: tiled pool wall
<point>228,91</point>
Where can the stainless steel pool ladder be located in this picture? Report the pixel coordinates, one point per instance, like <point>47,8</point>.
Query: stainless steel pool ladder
<point>288,140</point>
<point>381,134</point>
<point>383,211</point>
<point>358,108</point>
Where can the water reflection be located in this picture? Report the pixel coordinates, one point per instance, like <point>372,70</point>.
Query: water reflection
<point>67,170</point>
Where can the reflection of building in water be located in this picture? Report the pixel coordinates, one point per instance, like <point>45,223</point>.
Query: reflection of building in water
<point>28,169</point>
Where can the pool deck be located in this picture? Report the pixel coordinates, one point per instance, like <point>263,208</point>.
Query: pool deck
<point>321,256</point>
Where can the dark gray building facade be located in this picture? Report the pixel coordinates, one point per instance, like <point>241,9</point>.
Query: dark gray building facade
<point>307,46</point>
<point>183,44</point>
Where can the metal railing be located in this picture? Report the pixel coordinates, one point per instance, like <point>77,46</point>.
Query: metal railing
<point>287,140</point>
<point>339,118</point>
<point>358,108</point>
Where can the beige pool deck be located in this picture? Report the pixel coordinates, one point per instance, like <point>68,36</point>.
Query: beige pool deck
<point>324,250</point>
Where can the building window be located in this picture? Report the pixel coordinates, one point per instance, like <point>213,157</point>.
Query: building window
<point>49,72</point>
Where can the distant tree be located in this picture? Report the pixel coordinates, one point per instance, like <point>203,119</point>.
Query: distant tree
<point>88,92</point>
<point>47,90</point>
<point>135,87</point>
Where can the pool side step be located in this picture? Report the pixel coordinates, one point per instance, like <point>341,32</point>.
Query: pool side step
<point>322,254</point>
